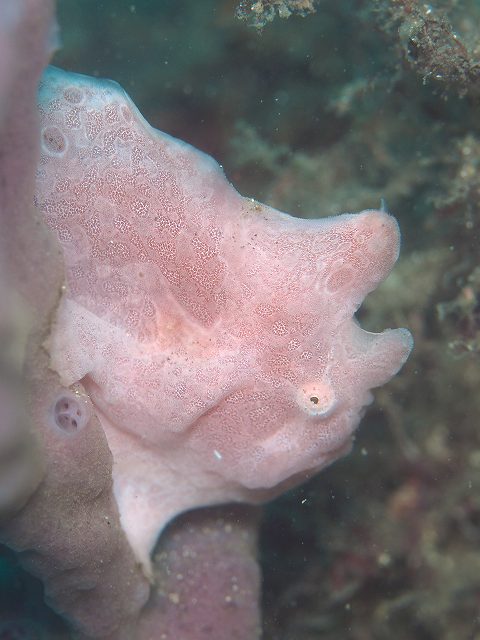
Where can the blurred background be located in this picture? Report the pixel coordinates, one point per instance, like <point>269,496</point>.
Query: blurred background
<point>320,108</point>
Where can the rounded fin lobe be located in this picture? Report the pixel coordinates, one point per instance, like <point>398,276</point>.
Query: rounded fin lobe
<point>369,247</point>
<point>380,355</point>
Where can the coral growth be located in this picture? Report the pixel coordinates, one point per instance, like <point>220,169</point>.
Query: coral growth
<point>431,45</point>
<point>260,12</point>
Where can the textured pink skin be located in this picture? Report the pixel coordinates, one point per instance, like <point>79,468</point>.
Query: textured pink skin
<point>214,335</point>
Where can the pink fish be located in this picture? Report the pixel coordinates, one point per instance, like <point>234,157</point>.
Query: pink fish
<point>215,336</point>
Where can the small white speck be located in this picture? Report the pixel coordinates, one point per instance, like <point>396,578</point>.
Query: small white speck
<point>217,454</point>
<point>304,501</point>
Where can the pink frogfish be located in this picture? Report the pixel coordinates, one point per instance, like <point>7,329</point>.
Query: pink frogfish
<point>215,335</point>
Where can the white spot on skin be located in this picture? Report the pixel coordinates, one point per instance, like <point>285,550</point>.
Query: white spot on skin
<point>217,454</point>
<point>317,398</point>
